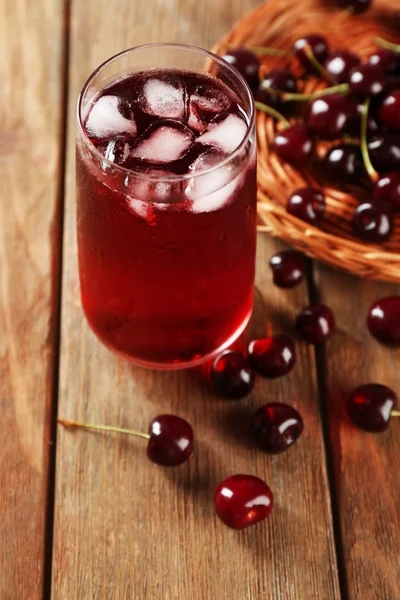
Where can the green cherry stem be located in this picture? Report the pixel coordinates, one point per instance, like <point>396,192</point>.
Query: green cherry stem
<point>342,88</point>
<point>386,44</point>
<point>317,65</point>
<point>364,142</point>
<point>395,413</point>
<point>272,112</point>
<point>71,424</point>
<point>265,51</point>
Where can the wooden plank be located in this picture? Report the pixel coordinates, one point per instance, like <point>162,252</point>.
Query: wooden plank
<point>30,158</point>
<point>125,528</point>
<point>365,464</point>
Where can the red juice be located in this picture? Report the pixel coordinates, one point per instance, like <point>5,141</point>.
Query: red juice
<point>166,241</point>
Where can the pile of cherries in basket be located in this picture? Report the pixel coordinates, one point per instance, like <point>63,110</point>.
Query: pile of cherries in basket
<point>358,114</point>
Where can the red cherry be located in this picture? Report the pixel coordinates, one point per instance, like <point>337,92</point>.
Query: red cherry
<point>246,62</point>
<point>318,46</point>
<point>384,321</point>
<point>278,79</point>
<point>273,356</point>
<point>384,151</point>
<point>276,427</point>
<point>316,323</point>
<point>232,375</point>
<point>370,406</point>
<point>307,204</point>
<point>388,188</point>
<point>343,164</point>
<point>294,145</point>
<point>328,116</point>
<point>373,221</point>
<point>367,80</point>
<point>387,60</point>
<point>288,268</point>
<point>339,65</point>
<point>243,500</point>
<point>389,112</point>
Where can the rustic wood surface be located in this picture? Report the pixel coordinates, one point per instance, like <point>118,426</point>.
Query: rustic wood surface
<point>123,527</point>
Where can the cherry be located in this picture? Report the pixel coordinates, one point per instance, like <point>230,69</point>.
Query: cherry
<point>243,500</point>
<point>314,45</point>
<point>276,427</point>
<point>307,204</point>
<point>367,80</point>
<point>384,151</point>
<point>383,321</point>
<point>370,406</point>
<point>170,438</point>
<point>278,79</point>
<point>294,145</point>
<point>343,163</point>
<point>354,122</point>
<point>273,356</point>
<point>246,62</point>
<point>232,375</point>
<point>389,111</point>
<point>329,115</point>
<point>356,6</point>
<point>387,60</point>
<point>288,268</point>
<point>373,221</point>
<point>388,188</point>
<point>339,65</point>
<point>316,323</point>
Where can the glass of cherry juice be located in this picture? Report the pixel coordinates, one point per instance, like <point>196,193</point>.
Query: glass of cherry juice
<point>166,204</point>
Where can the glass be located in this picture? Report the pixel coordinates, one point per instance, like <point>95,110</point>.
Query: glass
<point>166,260</point>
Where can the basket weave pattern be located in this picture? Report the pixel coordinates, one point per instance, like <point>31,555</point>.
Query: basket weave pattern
<point>278,23</point>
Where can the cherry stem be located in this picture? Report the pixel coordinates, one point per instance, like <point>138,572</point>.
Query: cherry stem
<point>342,88</point>
<point>386,44</point>
<point>265,51</point>
<point>364,142</point>
<point>68,423</point>
<point>272,112</point>
<point>317,65</point>
<point>395,413</point>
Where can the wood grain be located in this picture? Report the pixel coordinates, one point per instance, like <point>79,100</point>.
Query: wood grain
<point>30,134</point>
<point>125,528</point>
<point>366,465</point>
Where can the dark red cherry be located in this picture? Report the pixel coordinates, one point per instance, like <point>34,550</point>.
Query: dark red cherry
<point>243,500</point>
<point>356,6</point>
<point>353,126</point>
<point>316,323</point>
<point>328,116</point>
<point>367,80</point>
<point>339,65</point>
<point>387,60</point>
<point>288,268</point>
<point>383,321</point>
<point>373,221</point>
<point>317,44</point>
<point>384,152</point>
<point>294,145</point>
<point>232,375</point>
<point>171,440</point>
<point>246,62</point>
<point>388,188</point>
<point>307,204</point>
<point>276,427</point>
<point>343,164</point>
<point>389,111</point>
<point>278,79</point>
<point>369,406</point>
<point>273,356</point>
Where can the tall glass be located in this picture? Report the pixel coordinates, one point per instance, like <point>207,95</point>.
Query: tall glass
<point>166,261</point>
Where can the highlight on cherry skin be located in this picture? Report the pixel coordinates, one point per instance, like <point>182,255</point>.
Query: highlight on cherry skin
<point>371,407</point>
<point>242,501</point>
<point>169,439</point>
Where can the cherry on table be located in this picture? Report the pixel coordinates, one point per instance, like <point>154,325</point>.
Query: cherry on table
<point>370,407</point>
<point>169,441</point>
<point>373,221</point>
<point>314,43</point>
<point>288,268</point>
<point>329,115</point>
<point>383,321</point>
<point>339,64</point>
<point>343,163</point>
<point>243,500</point>
<point>356,6</point>
<point>307,204</point>
<point>232,375</point>
<point>246,62</point>
<point>389,111</point>
<point>316,323</point>
<point>294,145</point>
<point>276,426</point>
<point>384,152</point>
<point>278,79</point>
<point>367,80</point>
<point>388,188</point>
<point>387,60</point>
<point>272,356</point>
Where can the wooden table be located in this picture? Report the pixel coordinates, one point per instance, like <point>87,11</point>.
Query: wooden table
<point>85,516</point>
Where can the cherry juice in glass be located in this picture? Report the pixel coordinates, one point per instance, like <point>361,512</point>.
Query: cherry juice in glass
<point>166,204</point>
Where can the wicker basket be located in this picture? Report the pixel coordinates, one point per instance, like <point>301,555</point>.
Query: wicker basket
<point>278,23</point>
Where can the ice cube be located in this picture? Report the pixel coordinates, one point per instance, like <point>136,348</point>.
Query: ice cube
<point>210,191</point>
<point>226,135</point>
<point>105,119</point>
<point>204,103</point>
<point>117,151</point>
<point>164,144</point>
<point>216,199</point>
<point>163,99</point>
<point>141,208</point>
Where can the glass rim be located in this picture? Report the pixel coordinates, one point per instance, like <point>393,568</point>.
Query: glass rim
<point>151,177</point>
